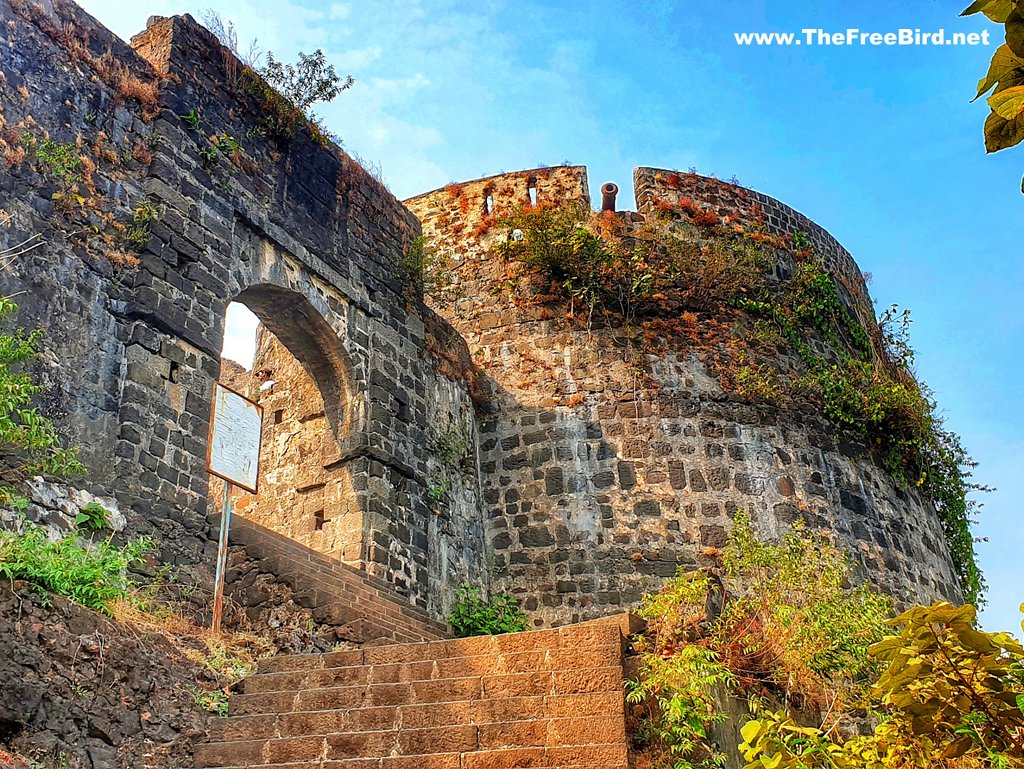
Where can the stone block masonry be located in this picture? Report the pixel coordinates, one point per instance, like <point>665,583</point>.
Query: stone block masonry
<point>548,699</point>
<point>296,230</point>
<point>598,481</point>
<point>497,445</point>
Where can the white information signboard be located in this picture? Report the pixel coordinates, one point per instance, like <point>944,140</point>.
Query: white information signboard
<point>236,427</point>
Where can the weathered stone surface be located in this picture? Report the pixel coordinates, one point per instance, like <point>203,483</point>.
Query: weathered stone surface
<point>297,231</point>
<point>664,468</point>
<point>540,464</point>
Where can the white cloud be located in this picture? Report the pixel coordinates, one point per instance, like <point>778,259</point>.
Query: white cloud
<point>358,59</point>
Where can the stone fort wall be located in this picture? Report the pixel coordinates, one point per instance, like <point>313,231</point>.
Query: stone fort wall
<point>599,481</point>
<point>295,229</point>
<point>498,445</point>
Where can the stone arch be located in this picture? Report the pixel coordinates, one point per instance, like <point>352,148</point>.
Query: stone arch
<point>308,488</point>
<point>300,327</point>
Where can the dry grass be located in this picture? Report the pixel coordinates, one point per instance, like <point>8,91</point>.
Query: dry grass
<point>124,259</point>
<point>88,169</point>
<point>14,156</point>
<point>147,94</point>
<point>231,655</point>
<point>141,152</point>
<point>127,85</point>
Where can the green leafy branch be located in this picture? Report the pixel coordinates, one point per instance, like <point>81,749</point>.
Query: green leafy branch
<point>472,615</point>
<point>1005,78</point>
<point>24,432</point>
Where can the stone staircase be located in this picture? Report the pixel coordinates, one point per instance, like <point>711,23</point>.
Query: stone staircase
<point>546,699</point>
<point>364,609</point>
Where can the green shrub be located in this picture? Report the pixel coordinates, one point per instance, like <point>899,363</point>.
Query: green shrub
<point>92,517</point>
<point>775,623</point>
<point>627,274</point>
<point>472,615</point>
<point>950,697</point>
<point>287,92</point>
<point>24,432</point>
<point>425,270</point>
<point>92,574</point>
<point>557,245</point>
<point>60,161</point>
<point>217,701</point>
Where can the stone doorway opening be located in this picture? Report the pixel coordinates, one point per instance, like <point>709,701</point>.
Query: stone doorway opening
<point>280,352</point>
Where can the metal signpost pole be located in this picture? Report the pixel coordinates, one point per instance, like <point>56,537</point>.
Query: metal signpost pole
<point>222,558</point>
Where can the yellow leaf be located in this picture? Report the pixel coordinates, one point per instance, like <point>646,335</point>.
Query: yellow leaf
<point>997,10</point>
<point>957,747</point>
<point>1004,63</point>
<point>1001,133</point>
<point>975,641</point>
<point>1008,104</point>
<point>771,762</point>
<point>750,731</point>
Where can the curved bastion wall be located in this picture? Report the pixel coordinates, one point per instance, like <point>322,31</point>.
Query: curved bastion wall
<point>598,479</point>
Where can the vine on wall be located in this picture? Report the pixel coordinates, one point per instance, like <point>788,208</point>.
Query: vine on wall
<point>671,274</point>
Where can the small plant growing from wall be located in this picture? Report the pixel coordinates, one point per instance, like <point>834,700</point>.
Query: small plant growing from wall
<point>92,517</point>
<point>28,439</point>
<point>436,493</point>
<point>286,92</point>
<point>58,161</point>
<point>137,233</point>
<point>307,82</point>
<point>473,615</point>
<point>427,271</point>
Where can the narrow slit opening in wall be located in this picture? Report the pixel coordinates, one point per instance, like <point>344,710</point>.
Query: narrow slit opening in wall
<point>531,190</point>
<point>278,416</point>
<point>489,204</point>
<point>318,520</point>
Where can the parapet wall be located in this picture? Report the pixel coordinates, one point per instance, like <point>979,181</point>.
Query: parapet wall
<point>658,188</point>
<point>611,463</point>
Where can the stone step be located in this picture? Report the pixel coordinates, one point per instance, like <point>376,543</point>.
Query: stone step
<point>549,699</point>
<point>495,759</point>
<point>469,746</point>
<point>584,635</point>
<point>452,689</point>
<point>414,716</point>
<point>332,675</point>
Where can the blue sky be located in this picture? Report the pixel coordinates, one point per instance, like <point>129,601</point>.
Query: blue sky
<point>879,145</point>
